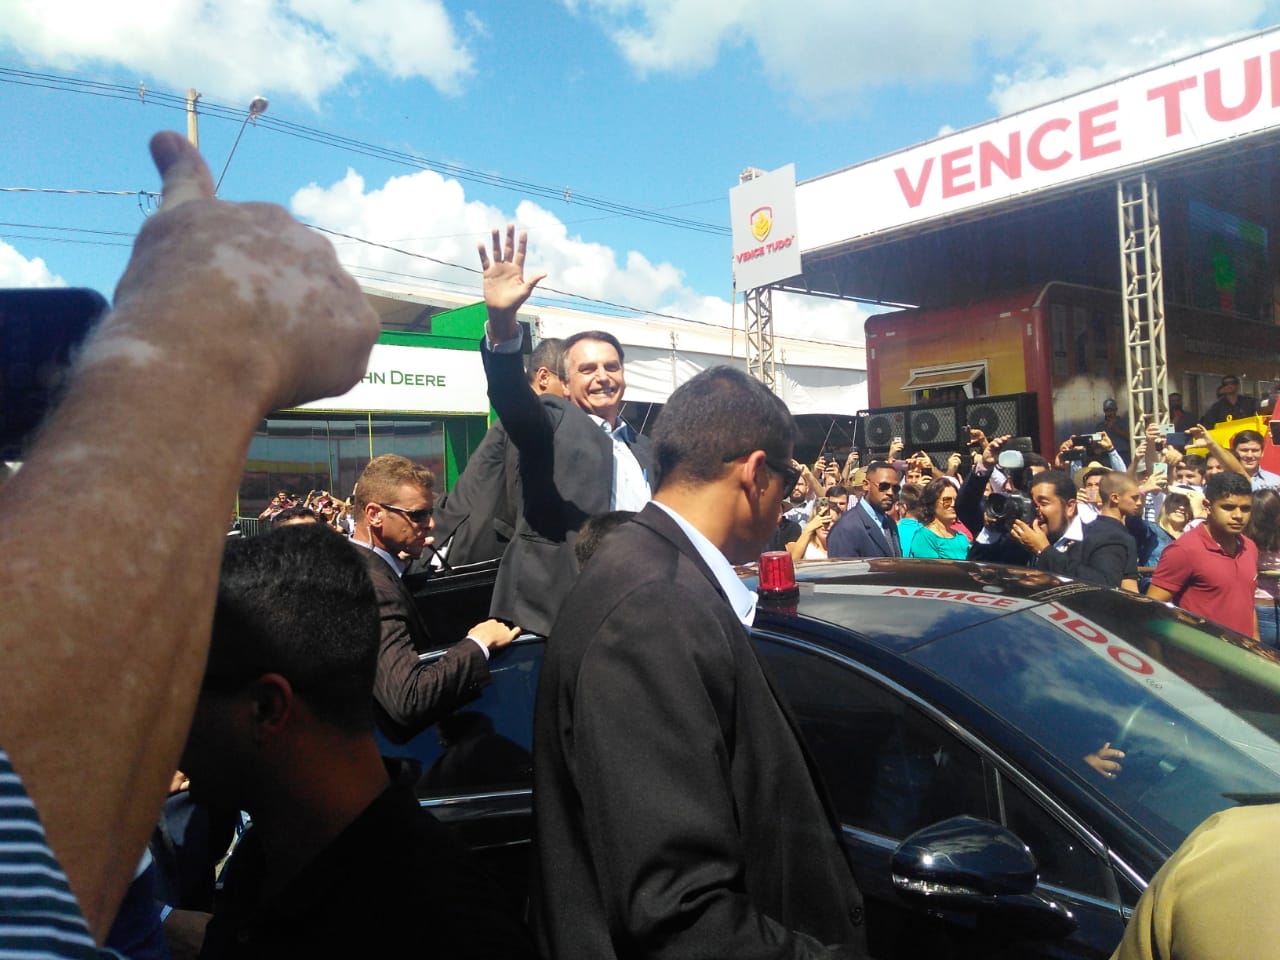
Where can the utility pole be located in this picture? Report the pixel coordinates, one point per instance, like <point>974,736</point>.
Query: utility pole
<point>193,121</point>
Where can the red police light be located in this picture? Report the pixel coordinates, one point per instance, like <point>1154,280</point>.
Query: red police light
<point>776,580</point>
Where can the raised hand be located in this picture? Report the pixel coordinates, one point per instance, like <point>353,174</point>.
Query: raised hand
<point>505,286</point>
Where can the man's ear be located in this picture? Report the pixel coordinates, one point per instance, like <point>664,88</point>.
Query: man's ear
<point>272,700</point>
<point>1071,508</point>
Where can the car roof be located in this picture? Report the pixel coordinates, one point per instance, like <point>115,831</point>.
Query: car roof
<point>970,594</point>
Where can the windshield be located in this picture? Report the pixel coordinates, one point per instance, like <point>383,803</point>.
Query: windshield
<point>1196,712</point>
<point>1196,717</point>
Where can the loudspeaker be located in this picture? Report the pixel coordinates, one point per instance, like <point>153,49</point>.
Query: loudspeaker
<point>932,426</point>
<point>881,426</point>
<point>1015,414</point>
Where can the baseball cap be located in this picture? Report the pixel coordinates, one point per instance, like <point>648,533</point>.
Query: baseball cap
<point>1109,404</point>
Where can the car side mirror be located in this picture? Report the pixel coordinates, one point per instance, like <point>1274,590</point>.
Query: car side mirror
<point>969,864</point>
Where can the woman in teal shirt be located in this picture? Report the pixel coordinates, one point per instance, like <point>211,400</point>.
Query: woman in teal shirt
<point>938,538</point>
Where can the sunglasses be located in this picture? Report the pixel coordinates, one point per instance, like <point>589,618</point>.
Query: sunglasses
<point>886,486</point>
<point>413,516</point>
<point>790,475</point>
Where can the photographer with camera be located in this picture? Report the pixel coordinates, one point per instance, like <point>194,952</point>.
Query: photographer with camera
<point>1107,554</point>
<point>1008,472</point>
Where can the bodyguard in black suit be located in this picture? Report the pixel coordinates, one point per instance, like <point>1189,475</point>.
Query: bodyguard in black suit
<point>577,457</point>
<point>869,530</point>
<point>677,812</point>
<point>394,504</point>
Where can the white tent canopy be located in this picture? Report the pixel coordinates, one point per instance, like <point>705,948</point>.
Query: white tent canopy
<point>811,377</point>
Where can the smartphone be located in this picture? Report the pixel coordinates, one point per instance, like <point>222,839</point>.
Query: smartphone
<point>1097,436</point>
<point>1161,469</point>
<point>1021,444</point>
<point>897,440</point>
<point>823,504</point>
<point>1166,428</point>
<point>1082,439</point>
<point>40,330</point>
<point>1176,438</point>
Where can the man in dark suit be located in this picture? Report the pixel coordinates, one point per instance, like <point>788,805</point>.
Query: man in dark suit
<point>577,457</point>
<point>678,813</point>
<point>394,503</point>
<point>478,516</point>
<point>868,529</point>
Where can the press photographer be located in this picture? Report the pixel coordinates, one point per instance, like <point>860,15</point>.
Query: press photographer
<point>1005,471</point>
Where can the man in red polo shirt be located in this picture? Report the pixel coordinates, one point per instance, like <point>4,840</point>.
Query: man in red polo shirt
<point>1211,570</point>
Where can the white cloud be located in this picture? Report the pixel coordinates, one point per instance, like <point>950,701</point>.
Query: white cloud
<point>826,50</point>
<point>430,215</point>
<point>235,49</point>
<point>19,271</point>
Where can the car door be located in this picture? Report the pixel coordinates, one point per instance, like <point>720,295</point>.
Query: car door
<point>476,765</point>
<point>893,765</point>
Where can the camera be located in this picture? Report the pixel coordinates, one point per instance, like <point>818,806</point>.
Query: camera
<point>1004,508</point>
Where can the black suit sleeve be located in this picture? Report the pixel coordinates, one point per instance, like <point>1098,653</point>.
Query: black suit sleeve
<point>523,416</point>
<point>412,694</point>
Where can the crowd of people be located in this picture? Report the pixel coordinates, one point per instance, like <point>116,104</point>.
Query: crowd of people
<point>1197,530</point>
<point>261,667</point>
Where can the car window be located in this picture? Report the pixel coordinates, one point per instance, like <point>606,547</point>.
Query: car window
<point>487,744</point>
<point>889,768</point>
<point>1064,859</point>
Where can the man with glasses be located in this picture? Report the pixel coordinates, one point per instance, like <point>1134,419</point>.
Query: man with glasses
<point>394,502</point>
<point>1230,405</point>
<point>868,529</point>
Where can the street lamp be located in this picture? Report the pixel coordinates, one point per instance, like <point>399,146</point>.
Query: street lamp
<point>257,107</point>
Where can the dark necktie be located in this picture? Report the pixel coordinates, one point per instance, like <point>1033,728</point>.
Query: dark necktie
<point>891,535</point>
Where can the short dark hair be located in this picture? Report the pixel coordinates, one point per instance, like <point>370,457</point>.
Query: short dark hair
<point>595,529</point>
<point>297,512</point>
<point>1064,488</point>
<point>548,353</point>
<point>1116,481</point>
<point>716,417</point>
<point>1246,436</point>
<point>836,490</point>
<point>1193,461</point>
<point>910,500</point>
<point>875,465</point>
<point>298,601</point>
<point>1227,484</point>
<point>1033,459</point>
<point>601,335</point>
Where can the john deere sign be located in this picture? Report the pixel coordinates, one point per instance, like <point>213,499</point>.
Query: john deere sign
<point>415,380</point>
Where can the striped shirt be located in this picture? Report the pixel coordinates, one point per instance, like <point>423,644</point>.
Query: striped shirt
<point>39,916</point>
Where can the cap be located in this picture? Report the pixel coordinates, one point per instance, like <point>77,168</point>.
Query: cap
<point>1087,471</point>
<point>859,475</point>
<point>1109,404</point>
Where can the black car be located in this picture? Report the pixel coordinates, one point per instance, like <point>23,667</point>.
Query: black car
<point>953,709</point>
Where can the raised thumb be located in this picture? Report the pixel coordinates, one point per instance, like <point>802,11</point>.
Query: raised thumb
<point>185,174</point>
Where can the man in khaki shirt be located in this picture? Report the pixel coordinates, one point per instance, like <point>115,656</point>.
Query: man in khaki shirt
<point>1215,898</point>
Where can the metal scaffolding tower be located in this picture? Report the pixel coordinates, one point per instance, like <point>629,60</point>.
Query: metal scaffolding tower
<point>1142,280</point>
<point>758,304</point>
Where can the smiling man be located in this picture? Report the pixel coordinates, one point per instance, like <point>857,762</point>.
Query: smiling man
<point>1247,446</point>
<point>577,457</point>
<point>1212,570</point>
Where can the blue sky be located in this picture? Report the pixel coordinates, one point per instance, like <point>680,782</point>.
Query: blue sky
<point>652,104</point>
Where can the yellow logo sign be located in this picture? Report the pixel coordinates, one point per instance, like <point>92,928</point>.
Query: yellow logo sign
<point>761,223</point>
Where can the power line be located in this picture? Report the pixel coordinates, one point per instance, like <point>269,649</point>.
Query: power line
<point>363,148</point>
